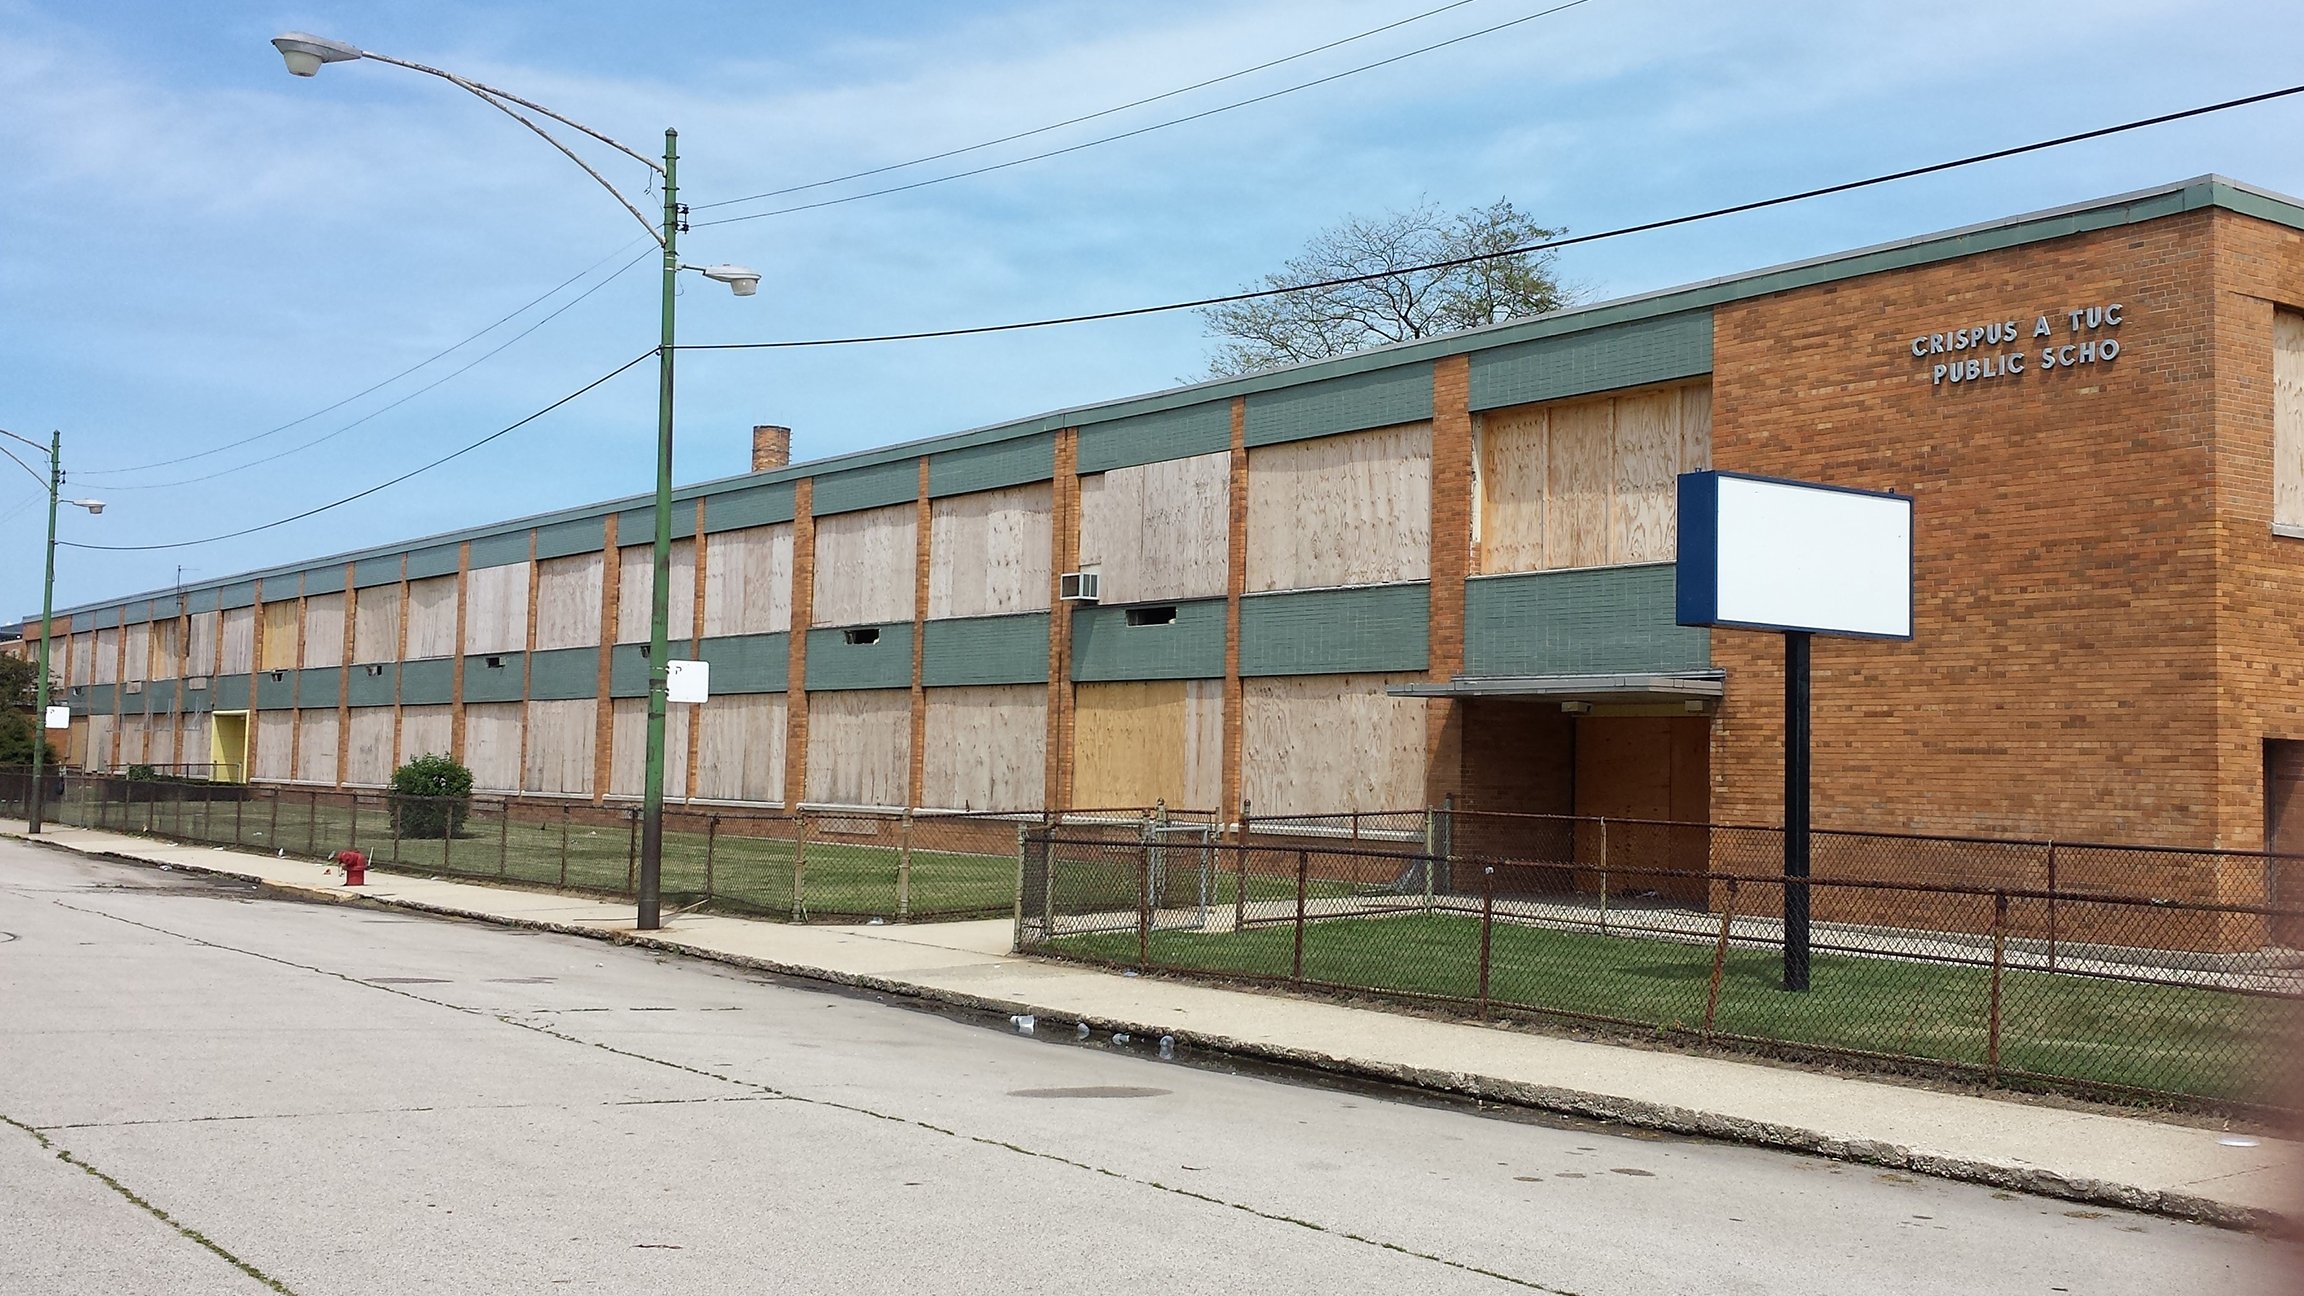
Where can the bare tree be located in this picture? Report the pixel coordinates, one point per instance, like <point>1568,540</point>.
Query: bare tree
<point>1403,301</point>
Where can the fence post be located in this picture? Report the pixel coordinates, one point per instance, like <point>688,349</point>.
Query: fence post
<point>447,836</point>
<point>711,846</point>
<point>631,849</point>
<point>312,824</point>
<point>1240,869</point>
<point>1719,959</point>
<point>564,817</point>
<point>1143,905</point>
<point>272,835</point>
<point>1999,958</point>
<point>2051,906</point>
<point>392,804</point>
<point>904,867</point>
<point>1023,843</point>
<point>239,802</point>
<point>1487,929</point>
<point>503,836</point>
<point>355,822</point>
<point>800,867</point>
<point>1296,963</point>
<point>1603,875</point>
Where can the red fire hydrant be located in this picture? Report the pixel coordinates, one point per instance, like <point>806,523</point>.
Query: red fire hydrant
<point>355,867</point>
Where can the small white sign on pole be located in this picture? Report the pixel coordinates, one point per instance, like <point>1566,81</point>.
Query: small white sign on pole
<point>687,681</point>
<point>59,717</point>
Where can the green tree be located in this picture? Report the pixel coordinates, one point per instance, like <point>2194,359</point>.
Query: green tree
<point>19,693</point>
<point>20,683</point>
<point>16,731</point>
<point>431,795</point>
<point>1403,302</point>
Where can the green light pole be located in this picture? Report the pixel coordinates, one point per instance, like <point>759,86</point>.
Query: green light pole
<point>54,481</point>
<point>305,53</point>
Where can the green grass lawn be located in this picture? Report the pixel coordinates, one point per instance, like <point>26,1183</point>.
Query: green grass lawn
<point>2177,1040</point>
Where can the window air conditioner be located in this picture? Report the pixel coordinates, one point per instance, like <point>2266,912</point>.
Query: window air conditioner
<point>1077,587</point>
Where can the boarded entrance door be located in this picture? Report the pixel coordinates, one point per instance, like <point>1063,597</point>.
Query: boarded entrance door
<point>2284,832</point>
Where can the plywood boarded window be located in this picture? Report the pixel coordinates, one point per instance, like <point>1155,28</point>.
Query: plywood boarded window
<point>239,642</point>
<point>561,737</point>
<point>1158,530</point>
<point>323,631</point>
<point>986,748</point>
<point>368,762</point>
<point>316,746</point>
<point>200,652</point>
<point>279,636</point>
<point>1329,744</point>
<point>137,662</point>
<point>492,745</point>
<point>628,750</point>
<point>98,755</point>
<point>988,552</point>
<point>748,581</point>
<point>568,602</point>
<point>1341,510</point>
<point>740,754</point>
<point>1135,743</point>
<point>275,750</point>
<point>860,747</point>
<point>1589,482</point>
<point>106,667</point>
<point>865,564</point>
<point>635,577</point>
<point>376,627</point>
<point>425,731</point>
<point>496,609</point>
<point>167,648</point>
<point>2288,420</point>
<point>431,616</point>
<point>132,732</point>
<point>83,651</point>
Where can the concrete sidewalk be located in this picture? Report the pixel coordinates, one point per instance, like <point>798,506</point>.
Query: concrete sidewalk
<point>2085,1156</point>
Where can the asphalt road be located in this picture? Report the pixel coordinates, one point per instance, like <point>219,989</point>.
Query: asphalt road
<point>205,1090</point>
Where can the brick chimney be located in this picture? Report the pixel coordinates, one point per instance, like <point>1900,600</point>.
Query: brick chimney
<point>771,447</point>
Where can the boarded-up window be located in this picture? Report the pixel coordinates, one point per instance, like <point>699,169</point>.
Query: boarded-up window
<point>860,747</point>
<point>167,648</point>
<point>1341,510</point>
<point>1141,742</point>
<point>748,581</point>
<point>280,649</point>
<point>988,552</point>
<point>985,748</point>
<point>561,736</point>
<point>2288,420</point>
<point>1158,530</point>
<point>740,755</point>
<point>98,755</point>
<point>323,631</point>
<point>376,627</point>
<point>368,760</point>
<point>132,732</point>
<point>239,642</point>
<point>492,745</point>
<point>496,609</point>
<point>635,566</point>
<point>864,566</point>
<point>568,602</point>
<point>136,661</point>
<point>83,656</point>
<point>1589,482</point>
<point>200,652</point>
<point>425,731</point>
<point>275,737</point>
<point>628,750</point>
<point>1329,744</point>
<point>106,668</point>
<point>431,616</point>
<point>316,746</point>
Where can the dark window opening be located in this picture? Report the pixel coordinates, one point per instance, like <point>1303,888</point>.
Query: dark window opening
<point>1151,616</point>
<point>495,663</point>
<point>862,635</point>
<point>375,670</point>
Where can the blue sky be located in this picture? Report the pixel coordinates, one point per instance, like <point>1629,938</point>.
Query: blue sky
<point>198,248</point>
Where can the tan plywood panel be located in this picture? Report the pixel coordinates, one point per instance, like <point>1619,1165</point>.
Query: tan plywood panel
<point>195,750</point>
<point>636,571</point>
<point>323,631</point>
<point>1136,743</point>
<point>1329,744</point>
<point>568,602</point>
<point>496,609</point>
<point>106,668</point>
<point>628,750</point>
<point>860,747</point>
<point>376,627</point>
<point>988,552</point>
<point>2287,418</point>
<point>239,642</point>
<point>425,731</point>
<point>275,752</point>
<point>1341,510</point>
<point>431,616</point>
<point>740,753</point>
<point>1512,489</point>
<point>316,747</point>
<point>138,662</point>
<point>132,732</point>
<point>1158,530</point>
<point>1580,478</point>
<point>200,651</point>
<point>865,565</point>
<point>985,748</point>
<point>1695,427</point>
<point>1647,459</point>
<point>98,754</point>
<point>368,762</point>
<point>279,636</point>
<point>492,745</point>
<point>748,581</point>
<point>83,651</point>
<point>166,640</point>
<point>560,740</point>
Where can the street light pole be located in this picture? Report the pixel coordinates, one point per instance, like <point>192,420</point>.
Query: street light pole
<point>54,481</point>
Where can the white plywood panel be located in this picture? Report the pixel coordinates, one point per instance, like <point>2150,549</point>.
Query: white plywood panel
<point>1158,530</point>
<point>200,650</point>
<point>860,747</point>
<point>106,668</point>
<point>568,602</point>
<point>316,746</point>
<point>132,735</point>
<point>368,762</point>
<point>740,755</point>
<point>425,731</point>
<point>376,628</point>
<point>865,564</point>
<point>748,581</point>
<point>985,748</point>
<point>431,614</point>
<point>239,642</point>
<point>275,751</point>
<point>98,756</point>
<point>988,552</point>
<point>492,745</point>
<point>1203,746</point>
<point>628,750</point>
<point>195,749</point>
<point>561,738</point>
<point>138,662</point>
<point>1341,510</point>
<point>1329,744</point>
<point>496,609</point>
<point>635,573</point>
<point>83,651</point>
<point>323,631</point>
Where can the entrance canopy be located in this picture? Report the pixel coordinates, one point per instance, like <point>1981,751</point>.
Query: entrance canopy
<point>1676,688</point>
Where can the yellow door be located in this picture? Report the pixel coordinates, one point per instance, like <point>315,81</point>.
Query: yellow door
<point>228,747</point>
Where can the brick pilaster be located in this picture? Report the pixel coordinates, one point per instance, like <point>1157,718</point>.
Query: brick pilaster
<point>803,611</point>
<point>1064,544</point>
<point>1235,584</point>
<point>1453,481</point>
<point>923,532</point>
<point>604,724</point>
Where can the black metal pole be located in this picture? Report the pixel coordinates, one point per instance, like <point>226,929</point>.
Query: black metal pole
<point>1796,810</point>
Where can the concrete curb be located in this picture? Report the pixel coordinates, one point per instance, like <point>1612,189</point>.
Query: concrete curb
<point>1479,1088</point>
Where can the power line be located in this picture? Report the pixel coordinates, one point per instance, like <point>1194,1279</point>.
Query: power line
<point>383,485</point>
<point>1146,130</point>
<point>1088,117</point>
<point>1546,245</point>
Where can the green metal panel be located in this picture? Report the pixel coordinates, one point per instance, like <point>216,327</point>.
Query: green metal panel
<point>320,687</point>
<point>990,467</point>
<point>628,671</point>
<point>1575,364</point>
<point>198,601</point>
<point>439,560</point>
<point>896,482</point>
<point>985,650</point>
<point>276,690</point>
<point>199,701</point>
<point>324,580</point>
<point>500,550</point>
<point>834,663</point>
<point>638,526</point>
<point>362,689</point>
<point>1106,647</point>
<point>486,683</point>
<point>240,595</point>
<point>749,507</point>
<point>1596,621</point>
<point>95,699</point>
<point>136,613</point>
<point>371,572</point>
<point>160,696</point>
<point>228,693</point>
<point>429,682</point>
<point>758,663</point>
<point>575,536</point>
<point>1401,394</point>
<point>1150,438</point>
<point>1332,631</point>
<point>559,674</point>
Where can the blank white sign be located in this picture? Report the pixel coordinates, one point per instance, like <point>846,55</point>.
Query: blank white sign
<point>1796,556</point>
<point>687,681</point>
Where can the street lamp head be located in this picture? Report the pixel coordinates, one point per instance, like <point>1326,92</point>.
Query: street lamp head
<point>93,506</point>
<point>305,52</point>
<point>741,280</point>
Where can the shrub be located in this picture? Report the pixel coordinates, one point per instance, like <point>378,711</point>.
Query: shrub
<point>431,795</point>
<point>16,742</point>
